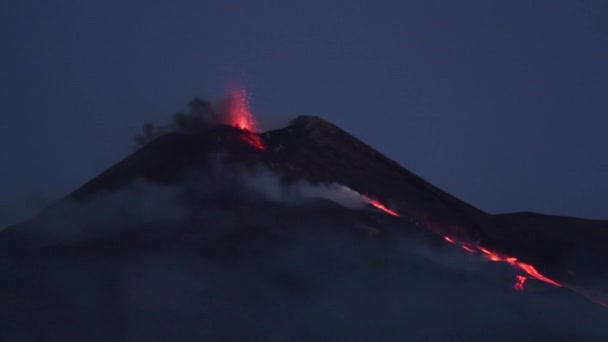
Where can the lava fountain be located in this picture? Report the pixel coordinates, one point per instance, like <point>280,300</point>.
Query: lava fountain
<point>241,117</point>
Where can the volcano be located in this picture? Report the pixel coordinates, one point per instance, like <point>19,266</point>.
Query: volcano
<point>203,215</point>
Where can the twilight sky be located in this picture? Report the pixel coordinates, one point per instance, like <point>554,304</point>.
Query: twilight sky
<point>501,103</point>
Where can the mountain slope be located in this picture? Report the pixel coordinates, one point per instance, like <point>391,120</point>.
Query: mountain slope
<point>200,204</point>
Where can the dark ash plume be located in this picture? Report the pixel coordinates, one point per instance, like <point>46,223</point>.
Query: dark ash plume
<point>200,115</point>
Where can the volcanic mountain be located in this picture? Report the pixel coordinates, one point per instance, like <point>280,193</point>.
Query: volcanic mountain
<point>559,252</point>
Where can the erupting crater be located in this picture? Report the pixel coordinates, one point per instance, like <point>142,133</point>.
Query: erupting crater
<point>240,116</point>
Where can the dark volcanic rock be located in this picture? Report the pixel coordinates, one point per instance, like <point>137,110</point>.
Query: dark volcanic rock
<point>221,221</point>
<point>315,150</point>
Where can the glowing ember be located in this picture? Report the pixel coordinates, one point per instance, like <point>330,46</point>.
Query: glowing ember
<point>241,117</point>
<point>519,283</point>
<point>448,239</point>
<point>382,207</point>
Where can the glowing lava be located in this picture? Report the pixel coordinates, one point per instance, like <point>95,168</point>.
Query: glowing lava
<point>494,256</point>
<point>529,269</point>
<point>241,117</point>
<point>253,140</point>
<point>468,249</point>
<point>382,207</point>
<point>534,273</point>
<point>519,282</point>
<point>238,110</point>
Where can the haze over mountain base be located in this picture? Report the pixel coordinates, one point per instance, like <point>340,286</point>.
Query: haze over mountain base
<point>237,260</point>
<point>213,231</point>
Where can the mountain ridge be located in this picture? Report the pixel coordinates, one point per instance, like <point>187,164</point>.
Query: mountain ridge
<point>314,150</point>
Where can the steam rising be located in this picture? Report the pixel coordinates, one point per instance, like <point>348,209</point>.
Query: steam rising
<point>234,270</point>
<point>269,185</point>
<point>231,110</point>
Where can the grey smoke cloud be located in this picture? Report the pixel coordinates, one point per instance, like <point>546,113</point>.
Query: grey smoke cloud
<point>200,114</point>
<point>269,185</point>
<point>241,273</point>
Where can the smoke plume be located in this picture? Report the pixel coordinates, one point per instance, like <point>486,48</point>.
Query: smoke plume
<point>232,110</point>
<point>240,255</point>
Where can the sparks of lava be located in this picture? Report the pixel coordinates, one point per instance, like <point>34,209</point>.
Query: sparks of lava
<point>519,282</point>
<point>382,207</point>
<point>529,269</point>
<point>238,109</point>
<point>241,117</point>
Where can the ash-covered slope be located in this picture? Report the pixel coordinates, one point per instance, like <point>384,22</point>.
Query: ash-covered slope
<point>312,149</point>
<point>189,194</point>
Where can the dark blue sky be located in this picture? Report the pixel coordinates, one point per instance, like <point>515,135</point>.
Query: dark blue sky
<point>502,103</point>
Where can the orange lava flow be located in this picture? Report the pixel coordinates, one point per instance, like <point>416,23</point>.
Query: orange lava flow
<point>241,117</point>
<point>534,273</point>
<point>468,249</point>
<point>519,282</point>
<point>254,140</point>
<point>529,269</point>
<point>382,207</point>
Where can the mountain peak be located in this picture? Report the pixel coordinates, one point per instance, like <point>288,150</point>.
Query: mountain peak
<point>313,150</point>
<point>311,122</point>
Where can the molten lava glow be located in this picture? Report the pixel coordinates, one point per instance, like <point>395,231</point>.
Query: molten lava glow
<point>519,282</point>
<point>253,140</point>
<point>238,110</point>
<point>241,117</point>
<point>382,207</point>
<point>529,269</point>
<point>468,249</point>
<point>534,273</point>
